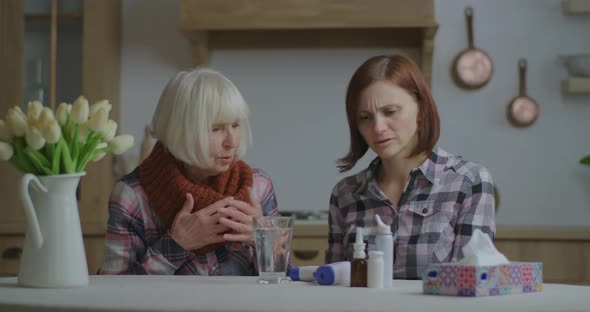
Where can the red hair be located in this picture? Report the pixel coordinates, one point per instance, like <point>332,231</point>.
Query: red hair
<point>403,72</point>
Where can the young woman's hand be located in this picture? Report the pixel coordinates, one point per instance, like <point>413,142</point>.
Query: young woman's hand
<point>199,229</point>
<point>238,217</point>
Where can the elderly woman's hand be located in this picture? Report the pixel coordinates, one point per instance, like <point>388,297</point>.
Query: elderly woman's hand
<point>238,217</point>
<point>195,230</point>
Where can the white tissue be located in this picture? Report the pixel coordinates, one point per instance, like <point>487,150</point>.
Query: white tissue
<point>481,251</point>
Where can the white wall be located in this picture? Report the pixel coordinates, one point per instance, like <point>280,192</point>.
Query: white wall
<point>298,113</point>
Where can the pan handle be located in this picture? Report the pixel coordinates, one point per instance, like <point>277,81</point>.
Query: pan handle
<point>522,74</point>
<point>469,19</point>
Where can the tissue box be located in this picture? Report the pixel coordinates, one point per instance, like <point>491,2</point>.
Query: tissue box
<point>455,279</point>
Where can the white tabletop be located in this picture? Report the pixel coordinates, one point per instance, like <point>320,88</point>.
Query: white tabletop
<point>199,293</point>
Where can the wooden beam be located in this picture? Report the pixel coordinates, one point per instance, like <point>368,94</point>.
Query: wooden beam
<point>52,55</point>
<point>321,38</point>
<point>428,52</point>
<point>101,50</point>
<point>302,14</point>
<point>12,29</point>
<point>199,41</point>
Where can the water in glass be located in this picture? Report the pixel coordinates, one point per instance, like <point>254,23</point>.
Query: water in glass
<point>273,242</point>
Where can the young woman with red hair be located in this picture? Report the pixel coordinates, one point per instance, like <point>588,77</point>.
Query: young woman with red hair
<point>433,200</point>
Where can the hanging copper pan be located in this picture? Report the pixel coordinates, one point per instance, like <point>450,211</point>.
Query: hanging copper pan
<point>522,110</point>
<point>472,68</point>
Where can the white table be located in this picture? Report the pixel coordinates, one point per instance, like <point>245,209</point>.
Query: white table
<point>199,293</point>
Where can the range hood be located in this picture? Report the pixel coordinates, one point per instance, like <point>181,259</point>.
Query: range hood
<point>236,24</point>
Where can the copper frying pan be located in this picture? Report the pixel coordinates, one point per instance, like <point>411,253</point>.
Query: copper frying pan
<point>523,110</point>
<point>472,68</point>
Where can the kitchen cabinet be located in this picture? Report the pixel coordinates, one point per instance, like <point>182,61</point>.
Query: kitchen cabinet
<point>565,252</point>
<point>309,245</point>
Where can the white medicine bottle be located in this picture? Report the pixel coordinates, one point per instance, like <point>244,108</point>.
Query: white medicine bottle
<point>384,243</point>
<point>375,270</point>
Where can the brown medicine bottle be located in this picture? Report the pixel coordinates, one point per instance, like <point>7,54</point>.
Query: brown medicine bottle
<point>358,266</point>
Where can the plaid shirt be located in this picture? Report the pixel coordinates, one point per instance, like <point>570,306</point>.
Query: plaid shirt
<point>137,242</point>
<point>443,201</point>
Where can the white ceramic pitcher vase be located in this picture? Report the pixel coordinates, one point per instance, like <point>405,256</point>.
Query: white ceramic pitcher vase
<point>53,252</point>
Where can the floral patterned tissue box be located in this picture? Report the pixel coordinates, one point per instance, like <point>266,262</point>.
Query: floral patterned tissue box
<point>455,279</point>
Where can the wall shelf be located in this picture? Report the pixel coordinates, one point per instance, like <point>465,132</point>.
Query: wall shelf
<point>223,24</point>
<point>575,7</point>
<point>576,86</point>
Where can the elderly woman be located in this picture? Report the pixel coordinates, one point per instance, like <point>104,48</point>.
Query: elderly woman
<point>188,208</point>
<point>433,199</point>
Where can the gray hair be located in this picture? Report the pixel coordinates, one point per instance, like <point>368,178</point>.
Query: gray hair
<point>190,104</point>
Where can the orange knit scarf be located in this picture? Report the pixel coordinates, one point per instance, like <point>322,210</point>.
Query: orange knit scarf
<point>165,184</point>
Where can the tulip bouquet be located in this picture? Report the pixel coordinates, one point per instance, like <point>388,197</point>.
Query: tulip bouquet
<point>42,142</point>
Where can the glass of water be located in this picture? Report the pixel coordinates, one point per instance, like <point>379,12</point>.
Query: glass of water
<point>273,244</point>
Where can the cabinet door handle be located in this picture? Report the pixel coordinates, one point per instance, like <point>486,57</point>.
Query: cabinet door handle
<point>12,253</point>
<point>305,254</point>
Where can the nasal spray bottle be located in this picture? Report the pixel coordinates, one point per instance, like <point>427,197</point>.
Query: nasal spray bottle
<point>358,267</point>
<point>384,243</point>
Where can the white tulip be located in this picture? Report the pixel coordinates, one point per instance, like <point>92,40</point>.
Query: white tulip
<point>34,138</point>
<point>121,143</point>
<point>80,110</point>
<point>82,133</point>
<point>17,122</point>
<point>98,120</point>
<point>6,151</point>
<point>5,134</point>
<point>51,132</point>
<point>19,111</point>
<point>100,105</point>
<point>101,155</point>
<point>62,113</point>
<point>109,130</point>
<point>34,109</point>
<point>46,117</point>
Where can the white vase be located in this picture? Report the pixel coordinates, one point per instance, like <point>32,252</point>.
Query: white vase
<point>53,252</point>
